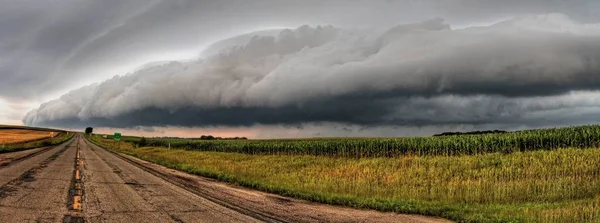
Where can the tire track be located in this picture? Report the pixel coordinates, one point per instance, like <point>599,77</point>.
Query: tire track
<point>132,183</point>
<point>29,175</point>
<point>186,185</point>
<point>17,160</point>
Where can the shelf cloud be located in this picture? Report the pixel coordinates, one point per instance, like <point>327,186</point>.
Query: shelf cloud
<point>532,70</point>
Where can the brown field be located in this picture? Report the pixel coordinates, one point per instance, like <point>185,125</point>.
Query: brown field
<point>11,136</point>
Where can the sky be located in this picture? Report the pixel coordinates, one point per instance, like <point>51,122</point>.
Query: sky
<point>311,68</point>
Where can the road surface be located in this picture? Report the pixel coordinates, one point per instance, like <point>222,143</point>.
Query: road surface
<point>80,182</point>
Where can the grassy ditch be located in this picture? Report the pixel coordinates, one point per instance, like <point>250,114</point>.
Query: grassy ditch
<point>562,185</point>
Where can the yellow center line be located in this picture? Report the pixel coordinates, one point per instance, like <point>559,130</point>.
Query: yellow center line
<point>78,186</point>
<point>76,202</point>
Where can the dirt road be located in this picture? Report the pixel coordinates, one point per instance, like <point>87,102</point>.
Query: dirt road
<point>80,182</point>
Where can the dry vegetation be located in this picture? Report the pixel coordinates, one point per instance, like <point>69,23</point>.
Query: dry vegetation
<point>19,138</point>
<point>12,136</point>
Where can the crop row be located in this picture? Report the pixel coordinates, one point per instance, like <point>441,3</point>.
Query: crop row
<point>529,140</point>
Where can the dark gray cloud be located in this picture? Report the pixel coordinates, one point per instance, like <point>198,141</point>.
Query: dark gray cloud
<point>363,73</point>
<point>38,36</point>
<point>531,70</point>
<point>49,46</point>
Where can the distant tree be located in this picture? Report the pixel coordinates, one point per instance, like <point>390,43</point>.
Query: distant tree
<point>472,133</point>
<point>142,142</point>
<point>208,137</point>
<point>89,130</point>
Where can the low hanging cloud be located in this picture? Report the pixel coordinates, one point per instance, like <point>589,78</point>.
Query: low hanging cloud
<point>531,70</point>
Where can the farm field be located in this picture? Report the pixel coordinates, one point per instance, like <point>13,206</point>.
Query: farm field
<point>548,175</point>
<point>10,136</point>
<point>529,140</point>
<point>18,138</point>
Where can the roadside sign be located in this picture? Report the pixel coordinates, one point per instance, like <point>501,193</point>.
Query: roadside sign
<point>117,136</point>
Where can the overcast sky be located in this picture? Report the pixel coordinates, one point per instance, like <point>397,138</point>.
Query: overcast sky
<point>284,68</point>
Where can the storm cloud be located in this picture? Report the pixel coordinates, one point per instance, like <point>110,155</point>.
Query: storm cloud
<point>47,47</point>
<point>530,70</point>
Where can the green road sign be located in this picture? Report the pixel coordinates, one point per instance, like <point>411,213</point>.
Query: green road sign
<point>117,136</point>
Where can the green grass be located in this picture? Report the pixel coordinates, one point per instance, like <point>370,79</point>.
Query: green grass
<point>530,140</point>
<point>558,185</point>
<point>58,139</point>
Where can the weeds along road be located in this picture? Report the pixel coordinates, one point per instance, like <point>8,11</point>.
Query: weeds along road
<point>80,182</point>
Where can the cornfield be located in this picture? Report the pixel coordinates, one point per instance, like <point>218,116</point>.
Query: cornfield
<point>529,140</point>
<point>546,175</point>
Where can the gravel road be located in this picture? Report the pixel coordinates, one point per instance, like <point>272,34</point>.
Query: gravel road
<point>80,182</point>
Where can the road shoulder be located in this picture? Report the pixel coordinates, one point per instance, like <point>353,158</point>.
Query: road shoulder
<point>270,205</point>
